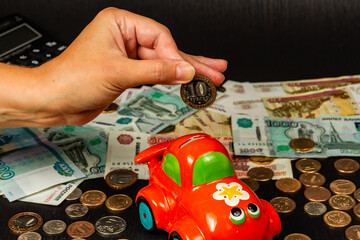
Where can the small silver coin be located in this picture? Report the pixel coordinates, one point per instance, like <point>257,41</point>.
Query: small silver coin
<point>74,195</point>
<point>30,236</point>
<point>110,225</point>
<point>76,210</point>
<point>315,208</point>
<point>53,227</point>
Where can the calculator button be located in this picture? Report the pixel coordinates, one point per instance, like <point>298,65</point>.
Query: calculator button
<point>61,48</point>
<point>51,44</point>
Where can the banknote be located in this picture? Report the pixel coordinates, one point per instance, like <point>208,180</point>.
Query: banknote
<point>85,146</point>
<point>114,121</point>
<point>156,110</point>
<point>338,101</point>
<point>309,85</point>
<point>34,168</point>
<point>54,195</point>
<point>218,123</point>
<point>266,136</point>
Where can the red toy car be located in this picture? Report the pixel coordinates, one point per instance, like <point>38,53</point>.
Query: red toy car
<point>194,194</point>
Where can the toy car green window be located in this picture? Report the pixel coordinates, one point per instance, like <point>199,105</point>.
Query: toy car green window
<point>211,167</point>
<point>171,167</point>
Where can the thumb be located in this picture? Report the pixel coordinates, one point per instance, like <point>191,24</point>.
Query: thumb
<point>160,71</point>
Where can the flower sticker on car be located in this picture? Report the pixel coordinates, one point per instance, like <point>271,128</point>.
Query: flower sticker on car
<point>232,193</point>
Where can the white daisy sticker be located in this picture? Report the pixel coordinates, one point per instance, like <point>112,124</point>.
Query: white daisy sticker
<point>232,193</point>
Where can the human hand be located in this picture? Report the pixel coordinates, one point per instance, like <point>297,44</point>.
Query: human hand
<point>116,51</point>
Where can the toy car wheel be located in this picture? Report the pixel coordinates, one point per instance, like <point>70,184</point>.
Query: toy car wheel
<point>174,236</point>
<point>146,215</point>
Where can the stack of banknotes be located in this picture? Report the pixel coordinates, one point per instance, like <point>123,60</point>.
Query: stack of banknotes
<point>250,119</point>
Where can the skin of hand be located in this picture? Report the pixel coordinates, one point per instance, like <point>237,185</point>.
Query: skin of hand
<point>116,51</point>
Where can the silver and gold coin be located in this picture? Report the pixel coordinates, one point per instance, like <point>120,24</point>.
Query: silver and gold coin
<point>297,236</point>
<point>342,202</point>
<point>93,198</point>
<point>110,225</point>
<point>25,222</point>
<point>308,165</point>
<point>337,219</point>
<point>260,173</point>
<point>342,186</point>
<point>118,202</point>
<point>283,204</point>
<point>315,208</point>
<point>302,144</point>
<point>199,93</point>
<point>346,165</point>
<point>54,227</point>
<point>76,210</point>
<point>121,178</point>
<point>288,185</point>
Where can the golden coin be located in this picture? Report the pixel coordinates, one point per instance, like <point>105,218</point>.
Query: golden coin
<point>113,107</point>
<point>357,194</point>
<point>297,236</point>
<point>260,173</point>
<point>252,184</point>
<point>25,222</point>
<point>315,208</point>
<point>199,93</point>
<point>342,186</point>
<point>283,204</point>
<point>80,229</point>
<point>337,219</point>
<point>288,185</point>
<point>302,144</point>
<point>118,202</point>
<point>342,202</point>
<point>356,210</point>
<point>93,198</point>
<point>121,178</point>
<point>317,194</point>
<point>346,165</point>
<point>308,165</point>
<point>312,179</point>
<point>353,232</point>
<point>261,160</point>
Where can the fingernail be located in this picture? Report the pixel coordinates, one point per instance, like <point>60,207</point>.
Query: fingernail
<point>184,72</point>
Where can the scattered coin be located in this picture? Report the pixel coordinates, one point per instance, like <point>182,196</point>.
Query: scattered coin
<point>25,222</point>
<point>80,229</point>
<point>29,236</point>
<point>297,236</point>
<point>110,225</point>
<point>317,194</point>
<point>356,211</point>
<point>315,208</point>
<point>199,93</point>
<point>342,202</point>
<point>261,160</point>
<point>342,186</point>
<point>74,195</point>
<point>254,185</point>
<point>302,144</point>
<point>312,179</point>
<point>54,227</point>
<point>118,202</point>
<point>76,210</point>
<point>353,232</point>
<point>121,178</point>
<point>93,198</point>
<point>260,173</point>
<point>283,204</point>
<point>346,165</point>
<point>111,108</point>
<point>337,219</point>
<point>288,185</point>
<point>308,165</point>
<point>357,194</point>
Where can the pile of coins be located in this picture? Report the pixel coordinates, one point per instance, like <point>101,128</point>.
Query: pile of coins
<point>26,224</point>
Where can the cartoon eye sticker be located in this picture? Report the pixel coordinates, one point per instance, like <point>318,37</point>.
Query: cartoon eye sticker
<point>253,210</point>
<point>237,216</point>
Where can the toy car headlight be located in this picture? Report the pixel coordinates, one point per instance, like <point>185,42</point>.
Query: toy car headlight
<point>237,216</point>
<point>253,210</point>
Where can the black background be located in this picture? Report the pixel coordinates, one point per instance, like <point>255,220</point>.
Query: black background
<point>263,40</point>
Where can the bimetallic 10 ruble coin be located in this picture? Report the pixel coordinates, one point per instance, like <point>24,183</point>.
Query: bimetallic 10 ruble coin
<point>260,174</point>
<point>353,232</point>
<point>317,194</point>
<point>297,236</point>
<point>315,208</point>
<point>54,227</point>
<point>93,198</point>
<point>308,165</point>
<point>337,219</point>
<point>110,225</point>
<point>199,93</point>
<point>342,186</point>
<point>29,236</point>
<point>283,204</point>
<point>346,165</point>
<point>76,210</point>
<point>312,179</point>
<point>80,229</point>
<point>118,202</point>
<point>302,144</point>
<point>288,185</point>
<point>121,178</point>
<point>25,222</point>
<point>254,185</point>
<point>342,202</point>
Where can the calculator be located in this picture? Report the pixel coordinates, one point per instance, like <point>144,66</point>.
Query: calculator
<point>23,44</point>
